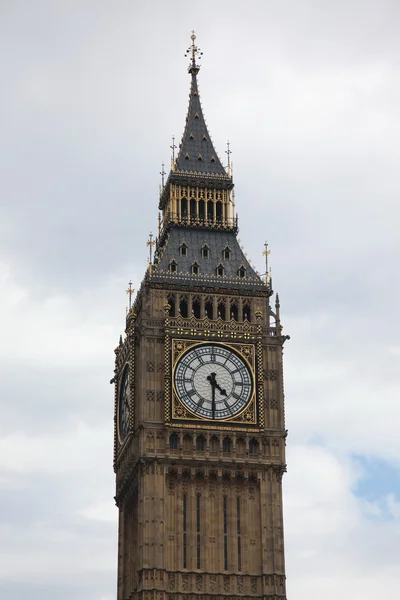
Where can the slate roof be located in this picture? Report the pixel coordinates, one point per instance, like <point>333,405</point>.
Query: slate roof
<point>196,151</point>
<point>216,241</point>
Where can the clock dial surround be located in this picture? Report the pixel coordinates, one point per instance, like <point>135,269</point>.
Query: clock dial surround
<point>123,406</point>
<point>213,382</point>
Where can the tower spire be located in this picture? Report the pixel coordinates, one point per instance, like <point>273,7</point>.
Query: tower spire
<point>196,150</point>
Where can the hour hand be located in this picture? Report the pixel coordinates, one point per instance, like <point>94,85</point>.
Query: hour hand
<point>221,391</point>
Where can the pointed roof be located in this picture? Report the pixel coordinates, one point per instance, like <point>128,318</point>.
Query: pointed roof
<point>196,161</point>
<point>197,152</point>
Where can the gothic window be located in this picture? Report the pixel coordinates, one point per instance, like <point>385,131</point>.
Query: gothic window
<point>213,159</point>
<point>234,310</point>
<point>192,209</point>
<point>241,272</point>
<point>219,211</point>
<point>246,311</point>
<point>187,156</point>
<point>184,208</point>
<point>214,445</point>
<point>173,441</point>
<point>221,310</point>
<point>226,254</point>
<point>191,136</point>
<point>227,445</point>
<point>200,157</point>
<point>220,271</point>
<point>183,249</point>
<point>187,443</point>
<point>184,307</point>
<point>173,267</point>
<point>172,304</point>
<point>195,268</point>
<point>200,443</point>
<point>202,211</point>
<point>253,447</point>
<point>196,307</point>
<point>208,308</point>
<point>210,210</point>
<point>205,251</point>
<point>240,447</point>
<point>204,138</point>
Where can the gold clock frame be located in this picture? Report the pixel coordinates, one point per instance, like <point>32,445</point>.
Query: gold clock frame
<point>178,414</point>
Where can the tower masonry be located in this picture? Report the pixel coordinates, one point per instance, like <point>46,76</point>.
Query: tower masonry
<point>199,444</point>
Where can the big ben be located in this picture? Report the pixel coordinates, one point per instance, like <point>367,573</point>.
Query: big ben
<point>200,435</point>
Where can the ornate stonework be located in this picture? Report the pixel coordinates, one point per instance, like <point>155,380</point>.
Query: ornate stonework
<point>200,498</point>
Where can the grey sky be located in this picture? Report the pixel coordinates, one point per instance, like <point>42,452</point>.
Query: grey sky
<point>308,94</point>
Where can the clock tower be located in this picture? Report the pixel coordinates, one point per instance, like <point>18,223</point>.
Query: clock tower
<point>199,449</point>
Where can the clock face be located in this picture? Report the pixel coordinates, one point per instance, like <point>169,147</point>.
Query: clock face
<point>123,406</point>
<point>213,382</point>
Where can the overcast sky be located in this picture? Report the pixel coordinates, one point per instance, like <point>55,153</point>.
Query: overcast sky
<point>308,94</point>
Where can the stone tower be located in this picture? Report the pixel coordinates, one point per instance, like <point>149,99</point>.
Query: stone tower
<point>199,406</point>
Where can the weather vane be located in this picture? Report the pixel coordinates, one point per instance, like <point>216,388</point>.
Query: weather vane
<point>194,52</point>
<point>130,291</point>
<point>150,243</point>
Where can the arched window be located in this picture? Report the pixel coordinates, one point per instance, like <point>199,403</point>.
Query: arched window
<point>208,308</point>
<point>246,311</point>
<point>173,267</point>
<point>196,307</point>
<point>192,209</point>
<point>187,443</point>
<point>200,443</point>
<point>253,447</point>
<point>205,251</point>
<point>210,210</point>
<point>219,211</point>
<point>202,211</point>
<point>184,307</point>
<point>226,254</point>
<point>172,305</point>
<point>221,310</point>
<point>227,445</point>
<point>183,249</point>
<point>173,441</point>
<point>184,208</point>
<point>195,268</point>
<point>214,445</point>
<point>234,311</point>
<point>240,447</point>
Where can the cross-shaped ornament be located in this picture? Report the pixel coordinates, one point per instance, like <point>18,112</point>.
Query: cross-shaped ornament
<point>130,291</point>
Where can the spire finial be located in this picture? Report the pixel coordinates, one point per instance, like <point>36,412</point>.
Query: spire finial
<point>130,291</point>
<point>266,253</point>
<point>194,52</point>
<point>228,152</point>
<point>173,148</point>
<point>150,243</point>
<point>162,173</point>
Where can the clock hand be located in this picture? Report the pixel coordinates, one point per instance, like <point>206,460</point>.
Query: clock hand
<point>222,392</point>
<point>211,379</point>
